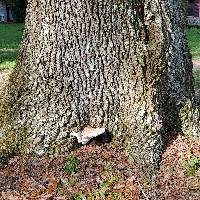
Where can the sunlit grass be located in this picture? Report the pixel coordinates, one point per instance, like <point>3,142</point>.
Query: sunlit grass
<point>197,82</point>
<point>193,35</point>
<point>10,37</point>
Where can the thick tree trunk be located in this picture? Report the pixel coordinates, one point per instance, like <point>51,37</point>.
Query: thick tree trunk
<point>7,13</point>
<point>122,65</point>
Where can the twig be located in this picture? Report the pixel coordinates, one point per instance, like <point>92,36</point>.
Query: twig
<point>142,190</point>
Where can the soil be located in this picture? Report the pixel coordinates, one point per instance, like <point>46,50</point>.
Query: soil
<point>103,171</point>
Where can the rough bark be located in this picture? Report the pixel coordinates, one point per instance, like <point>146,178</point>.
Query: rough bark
<point>119,64</point>
<point>7,13</point>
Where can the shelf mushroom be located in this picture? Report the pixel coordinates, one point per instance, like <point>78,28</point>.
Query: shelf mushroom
<point>87,134</point>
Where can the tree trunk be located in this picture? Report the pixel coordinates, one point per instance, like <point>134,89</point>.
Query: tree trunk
<point>122,65</point>
<point>7,13</point>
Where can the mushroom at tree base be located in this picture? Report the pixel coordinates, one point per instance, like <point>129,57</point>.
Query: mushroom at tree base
<point>87,134</point>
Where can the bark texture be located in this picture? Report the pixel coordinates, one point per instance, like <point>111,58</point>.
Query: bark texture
<point>119,64</point>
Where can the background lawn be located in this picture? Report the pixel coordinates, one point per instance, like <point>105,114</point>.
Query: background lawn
<point>10,37</point>
<point>193,35</point>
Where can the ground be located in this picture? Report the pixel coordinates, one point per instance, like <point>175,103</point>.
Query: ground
<point>98,171</point>
<point>102,171</point>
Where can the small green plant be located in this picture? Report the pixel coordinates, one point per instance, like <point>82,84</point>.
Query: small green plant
<point>80,196</point>
<point>91,196</point>
<point>103,189</point>
<point>72,165</point>
<point>71,181</point>
<point>104,192</point>
<point>116,196</point>
<point>192,165</point>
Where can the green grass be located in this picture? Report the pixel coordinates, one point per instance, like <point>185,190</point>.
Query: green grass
<point>196,73</point>
<point>193,35</point>
<point>197,78</point>
<point>10,37</point>
<point>192,165</point>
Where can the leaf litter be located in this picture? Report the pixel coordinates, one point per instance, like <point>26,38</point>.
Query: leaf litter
<point>101,171</point>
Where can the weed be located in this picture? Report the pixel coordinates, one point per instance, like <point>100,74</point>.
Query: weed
<point>72,165</point>
<point>80,196</point>
<point>108,170</point>
<point>91,196</point>
<point>104,191</point>
<point>71,181</point>
<point>116,196</point>
<point>192,165</point>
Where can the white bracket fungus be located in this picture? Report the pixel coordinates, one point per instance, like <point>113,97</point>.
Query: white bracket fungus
<point>87,134</point>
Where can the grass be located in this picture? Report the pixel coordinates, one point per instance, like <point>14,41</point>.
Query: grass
<point>193,35</point>
<point>197,78</point>
<point>192,165</point>
<point>10,37</point>
<point>197,81</point>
